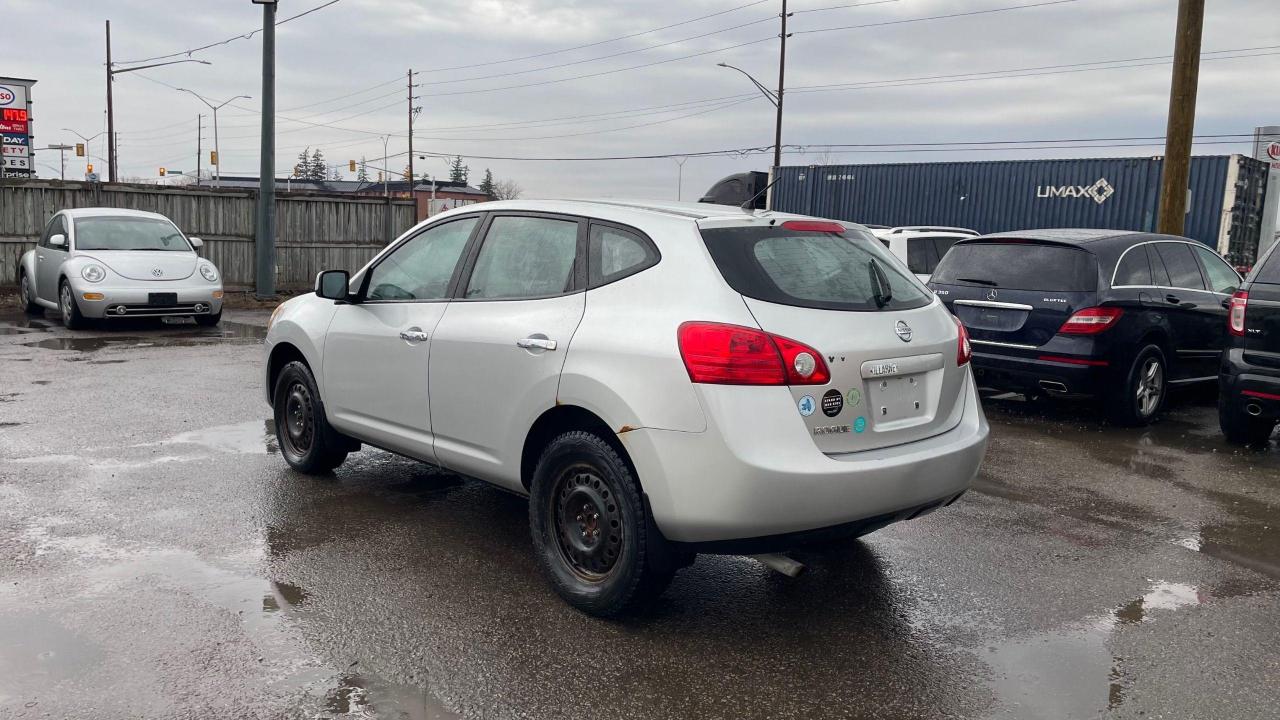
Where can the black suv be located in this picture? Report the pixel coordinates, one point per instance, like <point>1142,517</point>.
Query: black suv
<point>1249,380</point>
<point>1112,314</point>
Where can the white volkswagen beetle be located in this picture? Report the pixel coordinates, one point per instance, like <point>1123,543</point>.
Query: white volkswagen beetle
<point>95,263</point>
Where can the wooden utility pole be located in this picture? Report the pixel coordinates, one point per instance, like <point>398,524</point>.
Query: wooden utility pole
<point>782,77</point>
<point>111,116</point>
<point>1182,117</point>
<point>199,137</point>
<point>410,132</point>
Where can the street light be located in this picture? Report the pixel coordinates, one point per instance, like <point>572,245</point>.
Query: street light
<point>62,156</point>
<point>217,175</point>
<point>776,99</point>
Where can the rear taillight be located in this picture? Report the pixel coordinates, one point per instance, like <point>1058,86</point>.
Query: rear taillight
<point>1235,319</point>
<point>720,354</point>
<point>813,226</point>
<point>1091,321</point>
<point>964,353</point>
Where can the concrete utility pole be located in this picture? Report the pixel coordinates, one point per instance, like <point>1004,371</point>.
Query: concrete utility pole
<point>266,231</point>
<point>1182,117</point>
<point>199,138</point>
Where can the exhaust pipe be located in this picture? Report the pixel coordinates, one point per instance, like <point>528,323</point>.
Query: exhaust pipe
<point>1053,386</point>
<point>780,563</point>
<point>1253,409</point>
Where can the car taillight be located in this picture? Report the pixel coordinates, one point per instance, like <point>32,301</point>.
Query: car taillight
<point>813,226</point>
<point>1235,320</point>
<point>964,352</point>
<point>1091,321</point>
<point>720,354</point>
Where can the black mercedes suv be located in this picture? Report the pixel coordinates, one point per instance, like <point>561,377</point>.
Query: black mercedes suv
<point>1249,379</point>
<point>1117,315</point>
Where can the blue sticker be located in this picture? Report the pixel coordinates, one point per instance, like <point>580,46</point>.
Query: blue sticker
<point>860,424</point>
<point>807,405</point>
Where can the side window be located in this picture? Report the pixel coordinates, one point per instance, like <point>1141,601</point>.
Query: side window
<point>53,228</point>
<point>1159,275</point>
<point>614,253</point>
<point>525,257</point>
<point>920,256</point>
<point>422,267</point>
<point>942,244</point>
<point>1222,279</point>
<point>1184,271</point>
<point>1133,268</point>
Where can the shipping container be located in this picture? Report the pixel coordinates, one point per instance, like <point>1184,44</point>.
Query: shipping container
<point>1224,211</point>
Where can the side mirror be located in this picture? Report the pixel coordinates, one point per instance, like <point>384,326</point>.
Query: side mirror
<point>333,284</point>
<point>58,240</point>
<point>196,243</point>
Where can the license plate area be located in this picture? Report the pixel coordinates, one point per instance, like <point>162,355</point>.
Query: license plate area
<point>898,398</point>
<point>162,299</point>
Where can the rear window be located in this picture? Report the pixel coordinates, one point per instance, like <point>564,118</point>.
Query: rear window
<point>1269,270</point>
<point>1019,266</point>
<point>830,271</point>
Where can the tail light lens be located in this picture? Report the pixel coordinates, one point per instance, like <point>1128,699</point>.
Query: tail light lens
<point>1091,321</point>
<point>964,352</point>
<point>1235,320</point>
<point>813,226</point>
<point>720,354</point>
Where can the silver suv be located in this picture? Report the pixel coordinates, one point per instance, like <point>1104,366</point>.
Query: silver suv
<point>660,380</point>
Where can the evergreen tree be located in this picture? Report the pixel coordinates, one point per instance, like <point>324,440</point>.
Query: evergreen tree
<point>317,170</point>
<point>486,185</point>
<point>335,174</point>
<point>362,172</point>
<point>457,171</point>
<point>303,167</point>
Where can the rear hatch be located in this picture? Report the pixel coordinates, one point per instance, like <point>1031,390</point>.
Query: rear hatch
<point>889,346</point>
<point>1013,295</point>
<point>1262,314</point>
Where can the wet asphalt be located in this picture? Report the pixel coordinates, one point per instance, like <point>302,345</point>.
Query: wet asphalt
<point>158,559</point>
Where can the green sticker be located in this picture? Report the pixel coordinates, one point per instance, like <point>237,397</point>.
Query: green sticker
<point>853,397</point>
<point>860,424</point>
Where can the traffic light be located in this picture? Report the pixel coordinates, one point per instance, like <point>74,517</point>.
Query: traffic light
<point>79,149</point>
<point>89,168</point>
<point>351,165</point>
<point>213,157</point>
<point>161,172</point>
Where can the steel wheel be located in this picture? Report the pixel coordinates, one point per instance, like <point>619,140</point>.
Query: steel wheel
<point>65,304</point>
<point>1150,386</point>
<point>299,419</point>
<point>587,522</point>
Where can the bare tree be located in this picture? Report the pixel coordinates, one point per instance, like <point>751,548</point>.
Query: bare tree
<point>507,190</point>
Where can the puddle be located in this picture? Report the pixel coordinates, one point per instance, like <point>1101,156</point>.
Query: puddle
<point>231,329</point>
<point>364,697</point>
<point>22,322</point>
<point>89,344</point>
<point>38,652</point>
<point>255,436</point>
<point>1070,672</point>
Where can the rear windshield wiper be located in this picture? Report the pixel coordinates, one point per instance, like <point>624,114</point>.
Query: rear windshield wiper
<point>980,281</point>
<point>883,291</point>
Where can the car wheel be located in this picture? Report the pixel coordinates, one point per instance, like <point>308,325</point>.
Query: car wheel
<point>69,308</point>
<point>26,297</point>
<point>1238,426</point>
<point>1143,391</point>
<point>307,441</point>
<point>209,320</point>
<point>595,542</point>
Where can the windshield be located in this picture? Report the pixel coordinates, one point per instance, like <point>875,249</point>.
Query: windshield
<point>1018,266</point>
<point>128,233</point>
<point>831,271</point>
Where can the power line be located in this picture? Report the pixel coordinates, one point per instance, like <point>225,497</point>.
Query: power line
<point>948,16</point>
<point>244,36</point>
<point>841,7</point>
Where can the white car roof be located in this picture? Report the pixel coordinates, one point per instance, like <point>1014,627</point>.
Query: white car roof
<point>111,212</point>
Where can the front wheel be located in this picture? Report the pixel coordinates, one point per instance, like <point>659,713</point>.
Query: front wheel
<point>307,441</point>
<point>1239,427</point>
<point>26,297</point>
<point>594,540</point>
<point>1142,393</point>
<point>69,308</point>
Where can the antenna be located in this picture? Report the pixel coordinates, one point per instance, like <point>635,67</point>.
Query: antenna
<point>748,205</point>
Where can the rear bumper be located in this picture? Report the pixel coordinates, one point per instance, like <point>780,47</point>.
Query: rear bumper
<point>762,486</point>
<point>1245,384</point>
<point>1027,374</point>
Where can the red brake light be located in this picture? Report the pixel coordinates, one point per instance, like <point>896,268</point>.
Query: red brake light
<point>1235,318</point>
<point>1091,321</point>
<point>813,226</point>
<point>720,354</point>
<point>964,352</point>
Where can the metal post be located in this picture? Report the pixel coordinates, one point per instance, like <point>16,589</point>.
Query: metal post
<point>217,167</point>
<point>680,178</point>
<point>411,132</point>
<point>266,231</point>
<point>782,75</point>
<point>111,116</point>
<point>1182,117</point>
<point>199,138</point>
<point>386,169</point>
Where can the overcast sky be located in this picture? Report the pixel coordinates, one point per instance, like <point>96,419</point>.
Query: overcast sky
<point>339,66</point>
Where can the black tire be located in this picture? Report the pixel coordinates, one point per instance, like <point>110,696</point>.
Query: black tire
<point>307,441</point>
<point>209,320</point>
<point>69,309</point>
<point>27,297</point>
<point>599,567</point>
<point>1141,395</point>
<point>1238,426</point>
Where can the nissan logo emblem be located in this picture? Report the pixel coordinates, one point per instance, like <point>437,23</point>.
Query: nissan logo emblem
<point>903,331</point>
<point>991,295</point>
<point>157,272</point>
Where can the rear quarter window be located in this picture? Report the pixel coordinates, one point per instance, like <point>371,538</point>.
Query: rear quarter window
<point>1019,266</point>
<point>1268,271</point>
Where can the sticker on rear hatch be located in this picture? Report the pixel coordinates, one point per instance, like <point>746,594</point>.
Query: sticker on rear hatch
<point>860,424</point>
<point>853,397</point>
<point>807,405</point>
<point>832,403</point>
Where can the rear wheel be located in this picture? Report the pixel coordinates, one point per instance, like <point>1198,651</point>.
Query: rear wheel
<point>69,308</point>
<point>1142,394</point>
<point>595,542</point>
<point>1238,426</point>
<point>307,441</point>
<point>26,297</point>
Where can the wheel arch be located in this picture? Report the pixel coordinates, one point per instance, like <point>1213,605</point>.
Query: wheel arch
<point>561,419</point>
<point>281,355</point>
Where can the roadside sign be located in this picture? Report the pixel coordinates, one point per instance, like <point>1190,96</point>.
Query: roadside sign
<point>15,151</point>
<point>16,163</point>
<point>13,126</point>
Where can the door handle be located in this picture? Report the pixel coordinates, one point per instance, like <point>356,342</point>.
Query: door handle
<point>413,335</point>
<point>39,257</point>
<point>1172,299</point>
<point>530,343</point>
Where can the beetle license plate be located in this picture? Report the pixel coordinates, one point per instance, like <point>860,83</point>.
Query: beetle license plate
<point>162,299</point>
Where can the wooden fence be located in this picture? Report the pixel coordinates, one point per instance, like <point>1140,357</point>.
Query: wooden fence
<point>313,232</point>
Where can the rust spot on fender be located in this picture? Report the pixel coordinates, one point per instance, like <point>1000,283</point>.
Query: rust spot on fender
<point>626,429</point>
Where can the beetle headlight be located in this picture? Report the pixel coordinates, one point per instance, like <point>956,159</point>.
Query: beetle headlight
<point>93,273</point>
<point>209,273</point>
